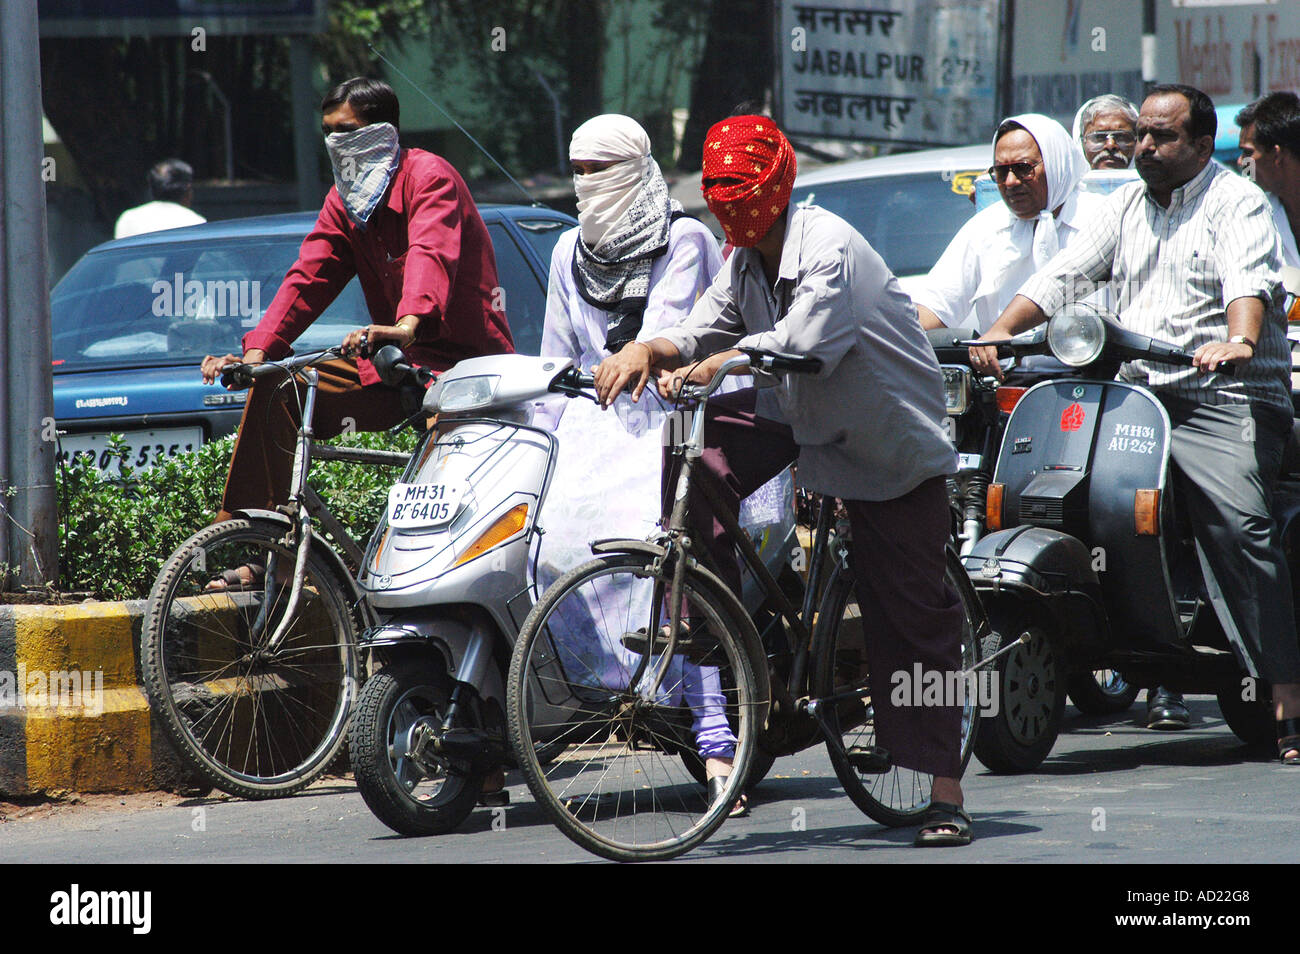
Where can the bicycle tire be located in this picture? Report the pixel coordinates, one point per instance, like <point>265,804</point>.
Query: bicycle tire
<point>252,724</point>
<point>900,796</point>
<point>623,745</point>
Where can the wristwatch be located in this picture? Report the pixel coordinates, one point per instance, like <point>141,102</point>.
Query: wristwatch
<point>1242,339</point>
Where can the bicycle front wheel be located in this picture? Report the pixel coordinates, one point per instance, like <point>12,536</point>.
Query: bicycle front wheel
<point>253,720</point>
<point>582,674</point>
<point>899,796</point>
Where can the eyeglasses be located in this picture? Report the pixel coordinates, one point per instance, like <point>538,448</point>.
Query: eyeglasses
<point>1023,170</point>
<point>1098,139</point>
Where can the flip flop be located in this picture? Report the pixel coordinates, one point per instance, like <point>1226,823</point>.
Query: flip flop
<point>944,815</point>
<point>233,581</point>
<point>717,785</point>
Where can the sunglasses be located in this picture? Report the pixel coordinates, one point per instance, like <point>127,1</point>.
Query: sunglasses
<point>1099,139</point>
<point>1023,170</point>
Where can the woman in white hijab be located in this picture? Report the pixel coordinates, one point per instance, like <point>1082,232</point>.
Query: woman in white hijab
<point>635,265</point>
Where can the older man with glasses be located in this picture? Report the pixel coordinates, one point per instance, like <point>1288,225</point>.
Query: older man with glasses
<point>1037,169</point>
<point>1104,128</point>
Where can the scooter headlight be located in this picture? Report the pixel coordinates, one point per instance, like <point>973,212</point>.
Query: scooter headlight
<point>1076,336</point>
<point>466,394</point>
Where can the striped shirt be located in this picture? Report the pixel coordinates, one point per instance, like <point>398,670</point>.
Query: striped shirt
<point>1173,272</point>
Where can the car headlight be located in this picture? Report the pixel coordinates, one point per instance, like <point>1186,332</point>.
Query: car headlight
<point>956,389</point>
<point>466,394</point>
<point>1076,336</point>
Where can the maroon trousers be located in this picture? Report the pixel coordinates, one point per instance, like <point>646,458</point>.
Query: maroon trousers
<point>262,463</point>
<point>909,612</point>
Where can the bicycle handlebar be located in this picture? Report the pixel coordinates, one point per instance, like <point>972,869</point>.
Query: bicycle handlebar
<point>240,376</point>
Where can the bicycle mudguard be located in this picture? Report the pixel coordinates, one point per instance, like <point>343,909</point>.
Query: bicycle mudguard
<point>748,634</point>
<point>355,597</point>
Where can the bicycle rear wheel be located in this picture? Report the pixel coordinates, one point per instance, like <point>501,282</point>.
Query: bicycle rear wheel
<point>621,789</point>
<point>899,796</point>
<point>252,721</point>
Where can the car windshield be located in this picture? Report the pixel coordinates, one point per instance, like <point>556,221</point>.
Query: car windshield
<point>908,219</point>
<point>174,304</point>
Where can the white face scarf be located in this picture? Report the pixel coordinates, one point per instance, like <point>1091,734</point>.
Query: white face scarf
<point>1064,166</point>
<point>604,197</point>
<point>364,161</point>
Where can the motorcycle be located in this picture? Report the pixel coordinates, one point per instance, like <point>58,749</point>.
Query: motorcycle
<point>447,573</point>
<point>1089,563</point>
<point>978,407</point>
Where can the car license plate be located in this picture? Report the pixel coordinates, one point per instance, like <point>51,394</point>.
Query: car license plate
<point>424,505</point>
<point>144,449</point>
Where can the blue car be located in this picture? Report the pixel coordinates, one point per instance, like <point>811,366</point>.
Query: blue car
<point>134,317</point>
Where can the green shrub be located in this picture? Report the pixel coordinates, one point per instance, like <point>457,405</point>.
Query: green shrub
<point>116,532</point>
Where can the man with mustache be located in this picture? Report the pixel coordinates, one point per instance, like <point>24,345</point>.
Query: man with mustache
<point>1194,259</point>
<point>403,222</point>
<point>1103,127</point>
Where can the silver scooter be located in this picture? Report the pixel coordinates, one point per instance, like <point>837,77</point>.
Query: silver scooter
<point>447,573</point>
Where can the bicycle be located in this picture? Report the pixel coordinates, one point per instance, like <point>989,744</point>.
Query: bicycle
<point>254,683</point>
<point>624,790</point>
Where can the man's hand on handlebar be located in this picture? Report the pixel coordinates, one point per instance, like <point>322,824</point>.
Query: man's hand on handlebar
<point>212,365</point>
<point>1208,357</point>
<point>375,337</point>
<point>985,360</point>
<point>670,382</point>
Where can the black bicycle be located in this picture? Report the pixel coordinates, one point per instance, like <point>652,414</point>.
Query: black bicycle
<point>627,788</point>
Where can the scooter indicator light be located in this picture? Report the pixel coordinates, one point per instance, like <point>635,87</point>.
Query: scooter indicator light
<point>1146,512</point>
<point>506,526</point>
<point>993,506</point>
<point>1008,398</point>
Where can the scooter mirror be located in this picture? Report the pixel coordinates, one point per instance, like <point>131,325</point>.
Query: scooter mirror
<point>385,361</point>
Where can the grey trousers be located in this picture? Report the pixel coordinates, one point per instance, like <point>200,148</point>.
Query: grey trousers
<point>1228,458</point>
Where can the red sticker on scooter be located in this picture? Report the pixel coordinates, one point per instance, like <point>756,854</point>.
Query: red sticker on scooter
<point>1072,417</point>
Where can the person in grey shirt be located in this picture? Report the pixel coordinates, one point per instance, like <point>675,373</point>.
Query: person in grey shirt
<point>868,427</point>
<point>1195,260</point>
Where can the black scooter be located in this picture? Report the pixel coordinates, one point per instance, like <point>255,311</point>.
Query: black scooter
<point>1090,562</point>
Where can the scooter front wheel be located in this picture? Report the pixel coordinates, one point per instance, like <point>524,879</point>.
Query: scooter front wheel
<point>424,796</point>
<point>582,673</point>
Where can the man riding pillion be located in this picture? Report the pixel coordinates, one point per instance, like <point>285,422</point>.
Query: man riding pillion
<point>867,428</point>
<point>1194,259</point>
<point>403,222</point>
<point>1037,169</point>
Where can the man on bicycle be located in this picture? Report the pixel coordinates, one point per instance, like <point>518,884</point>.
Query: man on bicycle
<point>867,428</point>
<point>403,222</point>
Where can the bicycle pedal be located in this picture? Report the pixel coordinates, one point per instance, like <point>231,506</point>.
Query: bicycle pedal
<point>869,760</point>
<point>694,649</point>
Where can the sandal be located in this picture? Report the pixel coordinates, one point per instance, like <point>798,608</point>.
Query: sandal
<point>250,576</point>
<point>694,647</point>
<point>941,816</point>
<point>717,785</point>
<point>1288,741</point>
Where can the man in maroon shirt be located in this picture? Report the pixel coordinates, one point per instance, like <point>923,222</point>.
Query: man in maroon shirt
<point>403,222</point>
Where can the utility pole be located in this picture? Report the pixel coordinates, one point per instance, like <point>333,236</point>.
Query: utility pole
<point>28,515</point>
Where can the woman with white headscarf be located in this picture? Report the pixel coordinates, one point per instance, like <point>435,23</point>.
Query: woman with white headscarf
<point>1037,167</point>
<point>634,266</point>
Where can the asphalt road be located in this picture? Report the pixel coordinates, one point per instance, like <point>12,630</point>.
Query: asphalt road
<point>1112,792</point>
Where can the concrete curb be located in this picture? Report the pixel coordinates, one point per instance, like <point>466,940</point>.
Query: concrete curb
<point>73,712</point>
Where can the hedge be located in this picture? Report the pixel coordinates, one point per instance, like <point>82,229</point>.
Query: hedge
<point>115,532</point>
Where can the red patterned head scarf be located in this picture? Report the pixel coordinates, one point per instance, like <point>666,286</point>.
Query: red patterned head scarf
<point>752,152</point>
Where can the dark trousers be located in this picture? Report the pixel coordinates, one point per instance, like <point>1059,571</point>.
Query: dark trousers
<point>1228,458</point>
<point>262,464</point>
<point>910,613</point>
